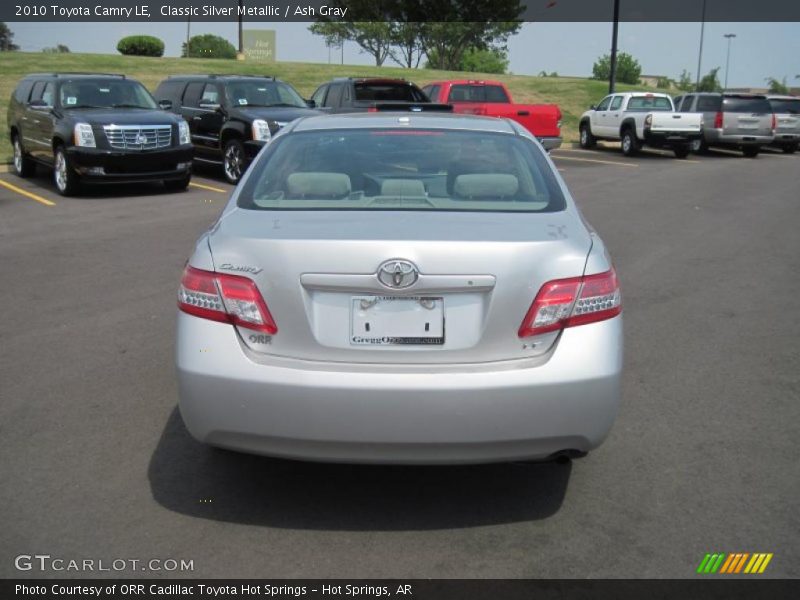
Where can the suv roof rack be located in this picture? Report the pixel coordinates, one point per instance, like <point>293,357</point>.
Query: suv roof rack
<point>369,78</point>
<point>81,73</point>
<point>220,76</point>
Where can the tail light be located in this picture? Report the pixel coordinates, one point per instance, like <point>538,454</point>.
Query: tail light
<point>718,121</point>
<point>569,302</point>
<point>648,120</point>
<point>372,109</point>
<point>224,298</point>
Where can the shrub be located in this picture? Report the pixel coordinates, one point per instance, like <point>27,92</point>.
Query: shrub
<point>141,45</point>
<point>209,46</point>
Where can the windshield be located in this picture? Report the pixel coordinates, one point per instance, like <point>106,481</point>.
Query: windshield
<point>402,169</point>
<point>262,92</point>
<point>649,104</point>
<point>105,93</point>
<point>785,106</point>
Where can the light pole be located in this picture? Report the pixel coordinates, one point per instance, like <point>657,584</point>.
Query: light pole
<point>612,76</point>
<point>730,36</point>
<point>700,52</point>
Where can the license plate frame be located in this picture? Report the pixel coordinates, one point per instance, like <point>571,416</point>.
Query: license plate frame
<point>397,321</point>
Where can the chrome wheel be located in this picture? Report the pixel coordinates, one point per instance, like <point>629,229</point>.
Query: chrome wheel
<point>60,171</point>
<point>626,144</point>
<point>697,145</point>
<point>17,156</point>
<point>584,137</point>
<point>233,162</point>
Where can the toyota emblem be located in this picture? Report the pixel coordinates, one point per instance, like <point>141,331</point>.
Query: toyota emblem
<point>398,273</point>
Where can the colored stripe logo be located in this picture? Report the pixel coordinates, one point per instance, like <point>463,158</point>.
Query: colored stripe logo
<point>734,563</point>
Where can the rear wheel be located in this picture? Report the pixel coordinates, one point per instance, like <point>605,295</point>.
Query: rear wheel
<point>23,166</point>
<point>588,141</point>
<point>682,151</point>
<point>177,185</point>
<point>699,146</point>
<point>750,151</point>
<point>64,176</point>
<point>790,148</point>
<point>630,145</point>
<point>233,161</point>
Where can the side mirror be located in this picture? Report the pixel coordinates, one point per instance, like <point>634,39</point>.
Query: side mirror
<point>311,103</point>
<point>165,104</point>
<point>592,107</point>
<point>210,106</point>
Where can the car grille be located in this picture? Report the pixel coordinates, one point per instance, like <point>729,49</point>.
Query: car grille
<point>138,137</point>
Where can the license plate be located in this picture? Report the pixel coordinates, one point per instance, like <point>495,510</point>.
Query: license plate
<point>397,320</point>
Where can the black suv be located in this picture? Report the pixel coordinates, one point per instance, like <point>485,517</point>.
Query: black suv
<point>96,128</point>
<point>369,94</point>
<point>231,117</point>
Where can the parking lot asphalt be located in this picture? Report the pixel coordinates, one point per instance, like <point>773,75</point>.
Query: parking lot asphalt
<point>703,458</point>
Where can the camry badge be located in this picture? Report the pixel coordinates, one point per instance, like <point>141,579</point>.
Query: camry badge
<point>398,273</point>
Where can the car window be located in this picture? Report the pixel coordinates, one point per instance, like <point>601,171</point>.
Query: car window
<point>616,103</point>
<point>387,92</point>
<point>104,93</point>
<point>604,104</point>
<point>49,93</point>
<point>319,96</point>
<point>708,104</point>
<point>745,104</point>
<point>477,93</point>
<point>334,95</point>
<point>210,94</point>
<point>192,93</point>
<point>38,88</point>
<point>432,92</point>
<point>495,93</point>
<point>402,169</point>
<point>23,91</point>
<point>169,90</point>
<point>262,92</point>
<point>650,104</point>
<point>685,103</point>
<point>789,106</point>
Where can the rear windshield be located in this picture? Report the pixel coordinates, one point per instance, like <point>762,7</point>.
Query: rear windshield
<point>102,93</point>
<point>738,104</point>
<point>478,93</point>
<point>647,104</point>
<point>402,169</point>
<point>786,106</point>
<point>389,92</point>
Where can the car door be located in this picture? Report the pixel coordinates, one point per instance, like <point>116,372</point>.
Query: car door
<point>613,116</point>
<point>598,117</point>
<point>319,97</point>
<point>201,107</point>
<point>40,121</point>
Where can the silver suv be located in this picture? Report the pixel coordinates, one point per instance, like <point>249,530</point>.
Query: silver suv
<point>740,121</point>
<point>787,115</point>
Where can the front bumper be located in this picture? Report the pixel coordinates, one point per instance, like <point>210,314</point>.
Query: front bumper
<point>410,414</point>
<point>100,165</point>
<point>550,143</point>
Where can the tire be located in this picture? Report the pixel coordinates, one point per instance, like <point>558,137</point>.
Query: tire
<point>177,185</point>
<point>750,151</point>
<point>233,161</point>
<point>699,146</point>
<point>587,140</point>
<point>789,148</point>
<point>64,176</point>
<point>23,165</point>
<point>682,151</point>
<point>630,145</point>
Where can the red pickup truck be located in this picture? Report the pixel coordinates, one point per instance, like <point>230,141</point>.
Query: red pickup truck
<point>491,98</point>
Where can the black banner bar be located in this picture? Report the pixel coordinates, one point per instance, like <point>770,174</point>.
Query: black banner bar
<point>398,10</point>
<point>711,588</point>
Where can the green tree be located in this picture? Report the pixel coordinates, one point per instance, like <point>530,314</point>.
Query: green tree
<point>446,43</point>
<point>777,86</point>
<point>208,45</point>
<point>58,49</point>
<point>491,60</point>
<point>628,68</point>
<point>7,39</point>
<point>141,45</point>
<point>710,82</point>
<point>406,48</point>
<point>685,82</point>
<point>374,37</point>
<point>664,83</point>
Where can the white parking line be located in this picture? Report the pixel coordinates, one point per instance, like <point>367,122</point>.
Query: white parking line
<point>594,160</point>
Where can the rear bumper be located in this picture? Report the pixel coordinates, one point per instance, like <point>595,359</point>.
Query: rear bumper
<point>414,415</point>
<point>661,139</point>
<point>99,165</point>
<point>550,143</point>
<point>786,137</point>
<point>715,137</point>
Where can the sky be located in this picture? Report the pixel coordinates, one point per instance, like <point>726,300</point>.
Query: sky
<point>760,50</point>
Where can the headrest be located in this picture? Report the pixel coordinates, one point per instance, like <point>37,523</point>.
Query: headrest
<point>486,185</point>
<point>326,185</point>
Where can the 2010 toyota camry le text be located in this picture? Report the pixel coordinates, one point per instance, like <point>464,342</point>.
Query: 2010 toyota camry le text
<point>400,288</point>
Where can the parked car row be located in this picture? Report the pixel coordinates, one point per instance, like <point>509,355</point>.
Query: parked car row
<point>693,122</point>
<point>107,128</point>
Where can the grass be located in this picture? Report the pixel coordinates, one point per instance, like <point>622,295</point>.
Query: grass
<point>572,94</point>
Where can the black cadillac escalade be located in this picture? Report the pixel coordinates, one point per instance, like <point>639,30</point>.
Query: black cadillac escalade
<point>232,116</point>
<point>96,128</point>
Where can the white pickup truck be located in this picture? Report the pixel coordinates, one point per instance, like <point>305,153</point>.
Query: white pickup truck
<point>638,119</point>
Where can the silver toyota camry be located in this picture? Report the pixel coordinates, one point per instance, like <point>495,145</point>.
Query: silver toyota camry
<point>400,288</point>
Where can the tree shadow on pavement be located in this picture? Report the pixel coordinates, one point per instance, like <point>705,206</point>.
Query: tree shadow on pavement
<point>192,479</point>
